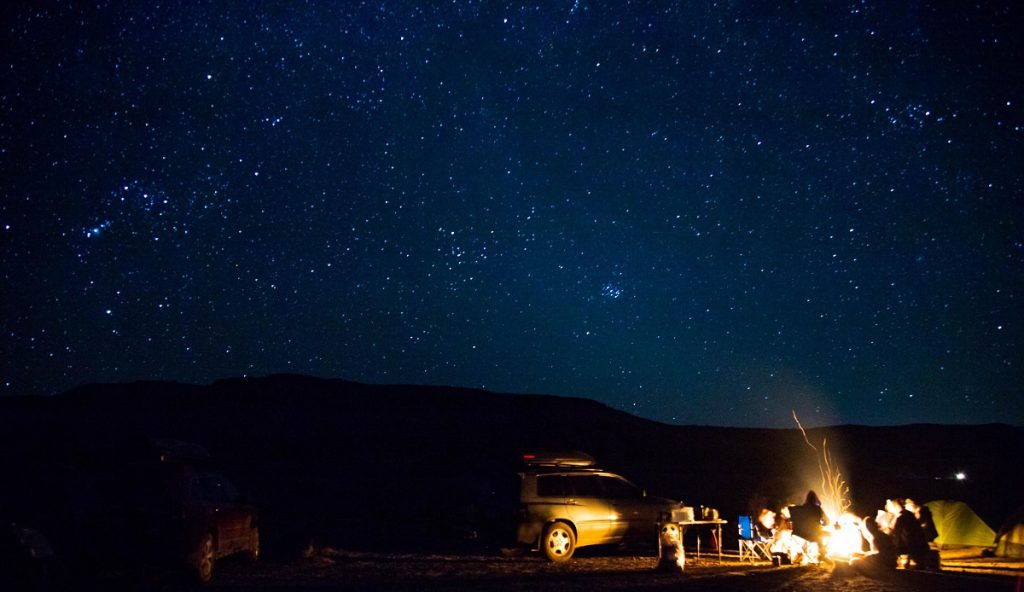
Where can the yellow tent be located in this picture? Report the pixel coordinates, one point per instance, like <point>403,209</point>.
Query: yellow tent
<point>959,525</point>
<point>1010,542</point>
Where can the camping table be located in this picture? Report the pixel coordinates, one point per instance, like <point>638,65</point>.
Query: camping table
<point>716,526</point>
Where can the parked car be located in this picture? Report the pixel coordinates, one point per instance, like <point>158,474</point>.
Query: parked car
<point>566,502</point>
<point>116,503</point>
<point>209,520</point>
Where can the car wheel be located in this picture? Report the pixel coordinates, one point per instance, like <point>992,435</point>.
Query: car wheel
<point>204,559</point>
<point>558,542</point>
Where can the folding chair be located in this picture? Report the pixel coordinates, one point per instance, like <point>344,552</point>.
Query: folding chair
<point>751,546</point>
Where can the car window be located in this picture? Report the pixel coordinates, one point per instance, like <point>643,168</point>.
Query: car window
<point>205,487</point>
<point>230,491</point>
<point>585,486</point>
<point>212,487</point>
<point>617,488</point>
<point>552,486</point>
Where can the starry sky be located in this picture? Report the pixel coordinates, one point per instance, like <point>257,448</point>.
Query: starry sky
<point>697,212</point>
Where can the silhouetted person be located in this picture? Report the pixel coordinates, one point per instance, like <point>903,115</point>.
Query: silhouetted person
<point>784,520</point>
<point>807,522</point>
<point>811,518</point>
<point>924,518</point>
<point>909,538</point>
<point>881,558</point>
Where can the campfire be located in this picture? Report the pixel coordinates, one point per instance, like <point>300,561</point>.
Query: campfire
<point>842,536</point>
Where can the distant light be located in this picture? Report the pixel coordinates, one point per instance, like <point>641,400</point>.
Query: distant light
<point>961,476</point>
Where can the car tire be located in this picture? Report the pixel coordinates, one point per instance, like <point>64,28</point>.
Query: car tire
<point>204,558</point>
<point>558,542</point>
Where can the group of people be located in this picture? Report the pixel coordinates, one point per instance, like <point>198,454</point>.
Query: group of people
<point>899,534</point>
<point>799,534</point>
<point>911,529</point>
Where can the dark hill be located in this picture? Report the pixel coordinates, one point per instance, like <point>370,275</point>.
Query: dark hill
<point>347,462</point>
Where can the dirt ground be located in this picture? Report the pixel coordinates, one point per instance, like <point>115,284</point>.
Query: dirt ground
<point>341,570</point>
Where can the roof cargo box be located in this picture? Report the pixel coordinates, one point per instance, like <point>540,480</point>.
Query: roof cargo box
<point>571,458</point>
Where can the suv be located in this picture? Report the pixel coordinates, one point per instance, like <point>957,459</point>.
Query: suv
<point>204,516</point>
<point>565,503</point>
<point>212,521</point>
<point>122,503</point>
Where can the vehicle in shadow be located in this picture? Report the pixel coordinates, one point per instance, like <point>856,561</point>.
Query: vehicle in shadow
<point>111,504</point>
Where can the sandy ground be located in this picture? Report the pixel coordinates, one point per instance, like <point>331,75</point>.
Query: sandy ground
<point>341,570</point>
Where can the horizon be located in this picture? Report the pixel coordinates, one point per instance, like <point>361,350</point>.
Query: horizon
<point>220,382</point>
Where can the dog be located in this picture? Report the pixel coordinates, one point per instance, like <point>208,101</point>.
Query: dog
<point>671,557</point>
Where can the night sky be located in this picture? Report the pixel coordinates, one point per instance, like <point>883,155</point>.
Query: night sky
<point>696,212</point>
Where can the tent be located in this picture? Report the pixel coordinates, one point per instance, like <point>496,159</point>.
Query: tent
<point>1010,540</point>
<point>959,525</point>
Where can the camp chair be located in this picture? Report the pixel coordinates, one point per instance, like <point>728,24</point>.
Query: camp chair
<point>751,546</point>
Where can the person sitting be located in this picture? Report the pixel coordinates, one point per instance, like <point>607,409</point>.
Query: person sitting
<point>808,520</point>
<point>909,538</point>
<point>764,528</point>
<point>784,550</point>
<point>880,559</point>
<point>886,518</point>
<point>924,518</point>
<point>928,531</point>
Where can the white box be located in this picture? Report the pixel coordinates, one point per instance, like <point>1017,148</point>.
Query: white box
<point>684,514</point>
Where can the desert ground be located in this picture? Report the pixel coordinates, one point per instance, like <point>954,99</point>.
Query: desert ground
<point>331,569</point>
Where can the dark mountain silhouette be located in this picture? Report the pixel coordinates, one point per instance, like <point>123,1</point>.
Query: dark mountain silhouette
<point>348,463</point>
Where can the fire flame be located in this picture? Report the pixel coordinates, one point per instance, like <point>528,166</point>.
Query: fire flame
<point>845,537</point>
<point>834,491</point>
